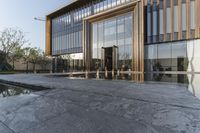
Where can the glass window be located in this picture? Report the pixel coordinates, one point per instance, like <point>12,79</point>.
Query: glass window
<point>128,56</point>
<point>123,1</point>
<point>149,22</point>
<point>155,21</point>
<point>128,30</point>
<point>184,19</point>
<point>179,50</point>
<point>176,22</point>
<point>114,3</point>
<point>118,2</point>
<point>161,21</point>
<point>110,32</point>
<point>109,3</point>
<point>95,8</point>
<point>115,31</point>
<point>192,18</point>
<point>168,20</point>
<point>105,4</point>
<point>101,6</point>
<point>94,40</point>
<point>164,57</point>
<point>151,52</point>
<point>100,38</point>
<point>164,50</point>
<point>121,31</point>
<point>121,52</point>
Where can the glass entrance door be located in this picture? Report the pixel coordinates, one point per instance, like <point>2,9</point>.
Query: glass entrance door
<point>110,58</point>
<point>114,57</point>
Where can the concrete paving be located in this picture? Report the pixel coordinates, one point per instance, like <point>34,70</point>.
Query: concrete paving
<point>98,106</point>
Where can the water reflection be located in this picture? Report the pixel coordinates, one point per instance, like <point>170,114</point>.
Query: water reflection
<point>190,80</point>
<point>176,78</point>
<point>8,90</point>
<point>194,84</point>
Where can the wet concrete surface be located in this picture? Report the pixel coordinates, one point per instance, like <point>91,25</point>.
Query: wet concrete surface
<point>98,106</point>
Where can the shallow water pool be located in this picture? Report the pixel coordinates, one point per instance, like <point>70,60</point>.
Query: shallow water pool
<point>10,90</point>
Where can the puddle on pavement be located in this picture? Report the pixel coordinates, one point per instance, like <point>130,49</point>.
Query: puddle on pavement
<point>10,90</point>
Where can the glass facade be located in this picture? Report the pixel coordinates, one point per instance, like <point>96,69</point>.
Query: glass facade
<point>115,33</point>
<point>168,20</point>
<point>171,54</point>
<point>184,19</point>
<point>149,26</point>
<point>161,32</point>
<point>67,29</point>
<point>175,56</point>
<point>68,63</point>
<point>73,62</point>
<point>170,16</point>
<point>167,45</point>
<point>176,21</point>
<point>67,34</point>
<point>155,21</point>
<point>192,18</point>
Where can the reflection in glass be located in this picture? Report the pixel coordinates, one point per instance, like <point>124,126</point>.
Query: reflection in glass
<point>177,56</point>
<point>114,32</point>
<point>66,28</point>
<point>70,62</point>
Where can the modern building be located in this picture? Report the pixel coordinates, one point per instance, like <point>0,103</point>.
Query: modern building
<point>141,36</point>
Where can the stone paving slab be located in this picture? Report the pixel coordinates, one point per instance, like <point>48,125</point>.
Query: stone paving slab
<point>153,92</point>
<point>96,106</point>
<point>4,129</point>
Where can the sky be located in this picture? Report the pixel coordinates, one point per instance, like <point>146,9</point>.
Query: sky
<point>20,14</point>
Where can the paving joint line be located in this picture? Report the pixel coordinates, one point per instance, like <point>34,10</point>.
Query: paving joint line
<point>7,127</point>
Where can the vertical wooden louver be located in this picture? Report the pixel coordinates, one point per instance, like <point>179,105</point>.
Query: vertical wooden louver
<point>48,37</point>
<point>183,31</point>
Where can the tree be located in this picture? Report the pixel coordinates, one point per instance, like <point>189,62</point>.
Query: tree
<point>10,40</point>
<point>34,56</point>
<point>31,55</point>
<point>15,55</point>
<point>26,56</point>
<point>43,61</point>
<point>3,64</point>
<point>2,59</point>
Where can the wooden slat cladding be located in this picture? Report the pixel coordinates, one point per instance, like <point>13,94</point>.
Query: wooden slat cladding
<point>187,33</point>
<point>138,42</point>
<point>86,41</point>
<point>48,37</point>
